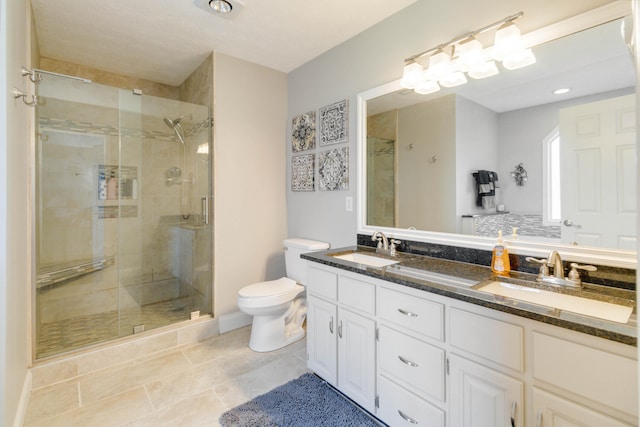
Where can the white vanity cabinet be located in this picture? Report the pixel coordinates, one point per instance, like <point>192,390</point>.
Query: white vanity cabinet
<point>479,395</point>
<point>483,397</point>
<point>341,334</point>
<point>570,368</point>
<point>443,362</point>
<point>411,359</point>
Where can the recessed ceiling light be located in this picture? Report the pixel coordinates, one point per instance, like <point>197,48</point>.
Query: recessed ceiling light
<point>220,6</point>
<point>561,91</point>
<point>227,9</point>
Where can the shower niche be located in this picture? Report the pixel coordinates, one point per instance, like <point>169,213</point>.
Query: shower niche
<point>117,191</point>
<point>117,182</point>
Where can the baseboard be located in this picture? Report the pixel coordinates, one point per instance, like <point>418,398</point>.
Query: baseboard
<point>21,410</point>
<point>232,321</point>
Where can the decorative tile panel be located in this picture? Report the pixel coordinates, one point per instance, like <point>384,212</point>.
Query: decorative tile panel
<point>334,123</point>
<point>303,132</point>
<point>302,172</point>
<point>333,169</point>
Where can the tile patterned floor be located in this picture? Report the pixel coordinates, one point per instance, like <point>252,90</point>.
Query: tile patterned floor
<point>80,331</point>
<point>188,386</point>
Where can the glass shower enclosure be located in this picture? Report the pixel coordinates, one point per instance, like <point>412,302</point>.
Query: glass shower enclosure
<point>123,233</point>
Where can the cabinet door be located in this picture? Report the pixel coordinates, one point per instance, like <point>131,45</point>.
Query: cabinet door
<point>550,410</point>
<point>322,323</point>
<point>482,397</point>
<point>356,358</point>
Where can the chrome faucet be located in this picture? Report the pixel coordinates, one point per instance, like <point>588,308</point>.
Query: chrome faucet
<point>385,246</point>
<point>554,260</point>
<point>383,243</point>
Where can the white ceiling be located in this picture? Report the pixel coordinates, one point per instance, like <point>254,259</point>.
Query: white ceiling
<point>165,40</point>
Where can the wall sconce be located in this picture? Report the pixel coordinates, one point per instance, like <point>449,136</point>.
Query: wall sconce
<point>449,62</point>
<point>519,174</point>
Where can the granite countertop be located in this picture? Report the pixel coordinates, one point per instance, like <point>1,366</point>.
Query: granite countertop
<point>455,279</point>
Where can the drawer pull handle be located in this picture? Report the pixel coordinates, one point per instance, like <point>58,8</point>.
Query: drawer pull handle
<point>513,413</point>
<point>406,417</point>
<point>340,329</point>
<point>331,325</point>
<point>408,362</point>
<point>407,313</point>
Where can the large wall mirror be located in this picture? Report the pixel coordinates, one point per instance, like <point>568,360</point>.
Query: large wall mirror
<point>418,154</point>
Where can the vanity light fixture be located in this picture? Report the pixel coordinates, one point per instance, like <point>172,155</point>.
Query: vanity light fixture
<point>449,62</point>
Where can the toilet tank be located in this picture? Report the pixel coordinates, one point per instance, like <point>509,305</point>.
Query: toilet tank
<point>296,266</point>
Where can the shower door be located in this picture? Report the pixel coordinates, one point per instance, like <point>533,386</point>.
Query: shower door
<point>122,235</point>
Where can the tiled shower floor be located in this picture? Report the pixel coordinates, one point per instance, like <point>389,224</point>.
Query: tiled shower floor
<point>77,332</point>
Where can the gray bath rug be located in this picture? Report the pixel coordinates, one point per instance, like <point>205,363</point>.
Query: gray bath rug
<point>304,402</point>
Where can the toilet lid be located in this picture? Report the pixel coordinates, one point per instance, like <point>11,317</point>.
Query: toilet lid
<point>269,288</point>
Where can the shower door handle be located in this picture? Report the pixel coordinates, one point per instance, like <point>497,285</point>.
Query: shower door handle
<point>204,208</point>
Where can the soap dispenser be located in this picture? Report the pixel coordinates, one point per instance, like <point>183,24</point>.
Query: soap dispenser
<point>500,258</point>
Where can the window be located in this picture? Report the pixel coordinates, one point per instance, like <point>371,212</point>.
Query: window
<point>551,197</point>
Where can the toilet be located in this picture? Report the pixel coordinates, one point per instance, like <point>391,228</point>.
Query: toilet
<point>279,306</point>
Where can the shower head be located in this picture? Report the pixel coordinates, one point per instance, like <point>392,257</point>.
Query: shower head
<point>177,128</point>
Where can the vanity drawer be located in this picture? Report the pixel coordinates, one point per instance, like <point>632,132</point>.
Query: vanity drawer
<point>414,313</point>
<point>398,407</point>
<point>491,339</point>
<point>357,294</point>
<point>418,365</point>
<point>323,283</point>
<point>596,374</point>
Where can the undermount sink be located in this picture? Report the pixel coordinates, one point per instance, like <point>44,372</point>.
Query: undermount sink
<point>586,306</point>
<point>443,279</point>
<point>368,260</point>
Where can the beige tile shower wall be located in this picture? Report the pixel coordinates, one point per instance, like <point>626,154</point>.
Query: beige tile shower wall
<point>381,205</point>
<point>110,79</point>
<point>198,87</point>
<point>70,230</point>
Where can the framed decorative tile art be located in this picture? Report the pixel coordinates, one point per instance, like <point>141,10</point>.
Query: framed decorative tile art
<point>303,132</point>
<point>333,169</point>
<point>334,123</point>
<point>302,172</point>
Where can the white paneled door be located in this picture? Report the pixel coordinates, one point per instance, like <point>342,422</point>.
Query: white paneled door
<point>598,173</point>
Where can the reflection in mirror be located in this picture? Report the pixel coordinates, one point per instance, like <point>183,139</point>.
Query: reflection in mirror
<point>423,152</point>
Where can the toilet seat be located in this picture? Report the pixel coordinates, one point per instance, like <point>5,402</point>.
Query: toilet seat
<point>269,293</point>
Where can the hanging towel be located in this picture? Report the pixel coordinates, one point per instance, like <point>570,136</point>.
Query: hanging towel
<point>485,188</point>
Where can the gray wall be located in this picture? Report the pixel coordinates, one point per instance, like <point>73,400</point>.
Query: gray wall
<point>375,57</point>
